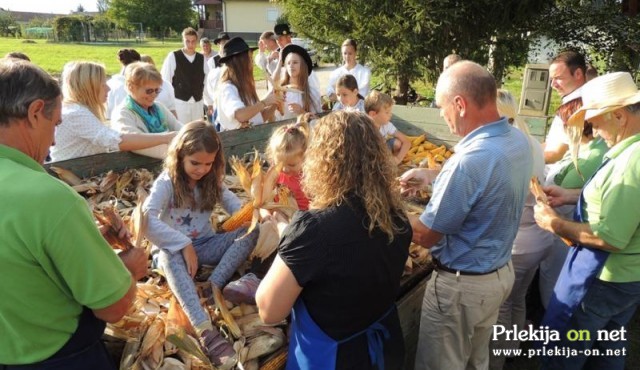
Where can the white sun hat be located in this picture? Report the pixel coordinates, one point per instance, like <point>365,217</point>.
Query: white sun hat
<point>604,94</point>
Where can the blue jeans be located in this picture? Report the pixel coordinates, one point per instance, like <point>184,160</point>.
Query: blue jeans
<point>608,307</point>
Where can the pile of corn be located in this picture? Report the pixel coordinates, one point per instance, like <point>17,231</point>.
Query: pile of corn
<point>156,332</point>
<point>425,154</point>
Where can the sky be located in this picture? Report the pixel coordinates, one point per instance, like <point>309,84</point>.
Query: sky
<point>48,6</point>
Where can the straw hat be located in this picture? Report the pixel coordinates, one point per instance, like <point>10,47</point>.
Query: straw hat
<point>604,94</point>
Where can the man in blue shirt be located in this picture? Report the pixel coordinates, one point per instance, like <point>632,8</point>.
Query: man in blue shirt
<point>470,222</point>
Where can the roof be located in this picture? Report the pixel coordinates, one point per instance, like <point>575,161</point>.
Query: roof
<point>28,16</point>
<point>207,2</point>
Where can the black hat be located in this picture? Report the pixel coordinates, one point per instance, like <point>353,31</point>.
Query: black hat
<point>297,49</point>
<point>221,36</point>
<point>233,47</point>
<point>281,29</point>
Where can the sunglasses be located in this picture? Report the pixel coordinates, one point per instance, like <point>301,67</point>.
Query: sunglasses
<point>151,91</point>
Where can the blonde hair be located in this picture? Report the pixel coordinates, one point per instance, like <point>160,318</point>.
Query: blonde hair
<point>507,107</point>
<point>377,100</point>
<point>286,141</point>
<point>237,70</point>
<point>189,31</point>
<point>137,73</point>
<point>147,59</point>
<point>192,138</point>
<point>348,158</point>
<point>82,84</point>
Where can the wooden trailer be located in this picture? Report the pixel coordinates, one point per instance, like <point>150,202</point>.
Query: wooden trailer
<point>410,120</point>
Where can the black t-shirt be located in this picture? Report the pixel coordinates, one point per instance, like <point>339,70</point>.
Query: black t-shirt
<point>349,278</point>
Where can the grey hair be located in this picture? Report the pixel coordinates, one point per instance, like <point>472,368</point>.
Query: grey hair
<point>633,108</point>
<point>22,83</point>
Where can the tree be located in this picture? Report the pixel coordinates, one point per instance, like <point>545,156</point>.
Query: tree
<point>606,30</point>
<point>8,25</point>
<point>155,15</point>
<point>80,9</point>
<point>408,39</point>
<point>102,5</point>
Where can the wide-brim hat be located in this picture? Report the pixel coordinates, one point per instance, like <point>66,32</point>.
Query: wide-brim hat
<point>234,47</point>
<point>605,94</point>
<point>297,49</point>
<point>221,36</point>
<point>282,29</point>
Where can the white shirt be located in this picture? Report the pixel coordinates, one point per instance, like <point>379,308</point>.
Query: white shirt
<point>169,68</point>
<point>81,133</point>
<point>228,101</point>
<point>210,86</point>
<point>530,237</point>
<point>126,121</point>
<point>117,93</point>
<point>556,134</point>
<point>292,97</point>
<point>360,72</point>
<point>388,130</point>
<point>263,62</point>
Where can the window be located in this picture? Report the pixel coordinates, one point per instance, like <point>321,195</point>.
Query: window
<point>272,14</point>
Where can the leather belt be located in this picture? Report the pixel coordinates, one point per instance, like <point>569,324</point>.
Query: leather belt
<point>441,267</point>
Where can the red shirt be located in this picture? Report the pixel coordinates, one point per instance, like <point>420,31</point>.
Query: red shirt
<point>293,183</point>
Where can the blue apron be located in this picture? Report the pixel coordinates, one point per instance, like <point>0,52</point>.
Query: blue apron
<point>311,348</point>
<point>580,268</point>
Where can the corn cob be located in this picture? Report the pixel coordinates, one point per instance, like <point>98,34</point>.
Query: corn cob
<point>276,361</point>
<point>239,218</point>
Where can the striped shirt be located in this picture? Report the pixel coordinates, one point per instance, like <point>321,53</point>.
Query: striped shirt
<point>478,198</point>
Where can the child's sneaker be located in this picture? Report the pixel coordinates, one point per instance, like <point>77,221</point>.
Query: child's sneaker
<point>242,290</point>
<point>218,350</point>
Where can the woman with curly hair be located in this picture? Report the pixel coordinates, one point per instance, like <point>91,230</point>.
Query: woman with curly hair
<point>339,264</point>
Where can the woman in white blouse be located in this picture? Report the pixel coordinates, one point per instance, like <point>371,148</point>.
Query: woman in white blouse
<point>82,131</point>
<point>300,96</point>
<point>352,67</point>
<point>140,112</point>
<point>236,96</point>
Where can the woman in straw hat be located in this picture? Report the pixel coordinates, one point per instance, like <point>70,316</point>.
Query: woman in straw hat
<point>236,97</point>
<point>599,286</point>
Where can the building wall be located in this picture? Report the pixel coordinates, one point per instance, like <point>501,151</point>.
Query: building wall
<point>249,17</point>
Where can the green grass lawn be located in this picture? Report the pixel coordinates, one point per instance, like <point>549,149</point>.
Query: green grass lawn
<point>53,56</point>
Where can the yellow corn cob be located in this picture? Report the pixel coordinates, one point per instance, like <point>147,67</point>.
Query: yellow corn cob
<point>447,154</point>
<point>239,218</point>
<point>418,140</point>
<point>440,150</point>
<point>276,361</point>
<point>429,145</point>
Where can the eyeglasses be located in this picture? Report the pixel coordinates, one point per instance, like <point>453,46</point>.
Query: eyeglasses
<point>151,91</point>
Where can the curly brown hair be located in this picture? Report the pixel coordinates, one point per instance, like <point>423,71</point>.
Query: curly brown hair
<point>347,157</point>
<point>195,137</point>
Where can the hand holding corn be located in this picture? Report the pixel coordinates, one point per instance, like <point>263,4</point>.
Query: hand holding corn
<point>416,179</point>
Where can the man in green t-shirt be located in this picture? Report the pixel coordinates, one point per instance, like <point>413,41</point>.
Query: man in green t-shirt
<point>608,231</point>
<point>60,279</point>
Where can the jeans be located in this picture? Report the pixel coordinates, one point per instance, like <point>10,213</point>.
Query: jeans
<point>607,307</point>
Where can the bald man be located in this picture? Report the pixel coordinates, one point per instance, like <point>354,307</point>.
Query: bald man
<point>470,222</point>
